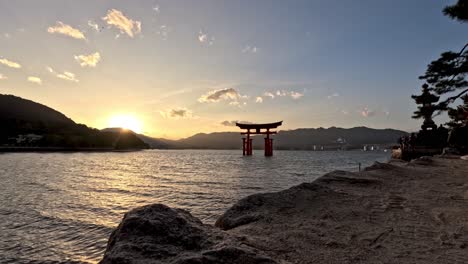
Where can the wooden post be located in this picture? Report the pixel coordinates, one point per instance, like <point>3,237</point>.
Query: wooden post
<point>243,146</point>
<point>271,147</point>
<point>249,143</point>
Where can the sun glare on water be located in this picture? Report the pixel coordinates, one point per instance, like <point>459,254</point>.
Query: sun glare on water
<point>127,122</point>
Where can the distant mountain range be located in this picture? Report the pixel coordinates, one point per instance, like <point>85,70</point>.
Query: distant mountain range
<point>24,123</point>
<point>19,116</point>
<point>297,139</point>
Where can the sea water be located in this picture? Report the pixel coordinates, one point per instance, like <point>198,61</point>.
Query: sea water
<point>62,207</point>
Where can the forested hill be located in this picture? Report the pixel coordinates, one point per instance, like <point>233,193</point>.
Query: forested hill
<point>24,123</point>
<point>13,107</point>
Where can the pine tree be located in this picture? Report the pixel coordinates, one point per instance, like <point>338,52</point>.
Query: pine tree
<point>448,74</point>
<point>459,115</point>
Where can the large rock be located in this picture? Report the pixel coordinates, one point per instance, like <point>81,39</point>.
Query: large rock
<point>159,234</point>
<point>389,213</point>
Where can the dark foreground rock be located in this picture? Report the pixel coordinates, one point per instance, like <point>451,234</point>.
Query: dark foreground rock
<point>390,213</point>
<point>159,234</point>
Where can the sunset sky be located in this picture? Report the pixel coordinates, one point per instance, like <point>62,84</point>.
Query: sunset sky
<point>183,67</point>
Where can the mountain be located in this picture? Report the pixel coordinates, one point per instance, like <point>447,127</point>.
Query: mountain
<point>24,123</point>
<point>13,107</point>
<point>297,139</point>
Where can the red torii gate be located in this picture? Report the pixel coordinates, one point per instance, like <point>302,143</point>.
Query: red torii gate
<point>247,141</point>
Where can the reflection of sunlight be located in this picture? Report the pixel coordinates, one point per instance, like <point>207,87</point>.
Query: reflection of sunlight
<point>126,121</point>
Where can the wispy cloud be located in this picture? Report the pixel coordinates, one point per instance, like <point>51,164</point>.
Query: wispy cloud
<point>90,60</point>
<point>233,122</point>
<point>64,29</point>
<point>10,63</point>
<point>296,95</point>
<point>250,49</point>
<point>7,35</point>
<point>333,95</point>
<point>282,93</point>
<point>366,112</point>
<point>156,9</point>
<point>126,25</point>
<point>259,99</point>
<point>68,76</point>
<point>221,94</point>
<point>3,77</point>
<point>93,25</point>
<point>35,80</point>
<point>164,31</point>
<point>269,94</point>
<point>177,113</point>
<point>205,38</point>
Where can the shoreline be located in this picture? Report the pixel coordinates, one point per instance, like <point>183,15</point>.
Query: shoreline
<point>60,149</point>
<point>63,149</point>
<point>389,212</point>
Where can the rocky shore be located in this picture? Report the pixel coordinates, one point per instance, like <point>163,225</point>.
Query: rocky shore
<point>395,212</point>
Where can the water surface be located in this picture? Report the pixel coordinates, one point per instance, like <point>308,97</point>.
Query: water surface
<point>63,206</point>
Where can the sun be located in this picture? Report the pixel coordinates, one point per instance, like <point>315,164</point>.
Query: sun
<point>126,121</point>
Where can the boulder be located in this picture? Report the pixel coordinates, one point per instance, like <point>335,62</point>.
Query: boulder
<point>160,234</point>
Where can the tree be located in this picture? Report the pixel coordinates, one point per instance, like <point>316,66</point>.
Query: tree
<point>447,75</point>
<point>458,11</point>
<point>459,115</point>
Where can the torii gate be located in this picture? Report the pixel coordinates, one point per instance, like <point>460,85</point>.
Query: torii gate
<point>247,141</point>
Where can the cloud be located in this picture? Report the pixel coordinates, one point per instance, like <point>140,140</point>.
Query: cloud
<point>233,123</point>
<point>35,80</point>
<point>7,35</point>
<point>259,99</point>
<point>164,31</point>
<point>366,112</point>
<point>68,76</point>
<point>333,95</point>
<point>177,113</point>
<point>205,39</point>
<point>64,29</point>
<point>93,25</point>
<point>3,77</point>
<point>296,95</point>
<point>10,63</point>
<point>156,9</point>
<point>344,112</point>
<point>126,25</point>
<point>282,93</point>
<point>386,113</point>
<point>250,49</point>
<point>90,60</point>
<point>222,94</point>
<point>237,103</point>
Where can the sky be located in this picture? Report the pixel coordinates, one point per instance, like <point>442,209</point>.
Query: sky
<point>177,68</point>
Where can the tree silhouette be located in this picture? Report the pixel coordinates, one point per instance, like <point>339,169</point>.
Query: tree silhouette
<point>458,11</point>
<point>459,115</point>
<point>447,74</point>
